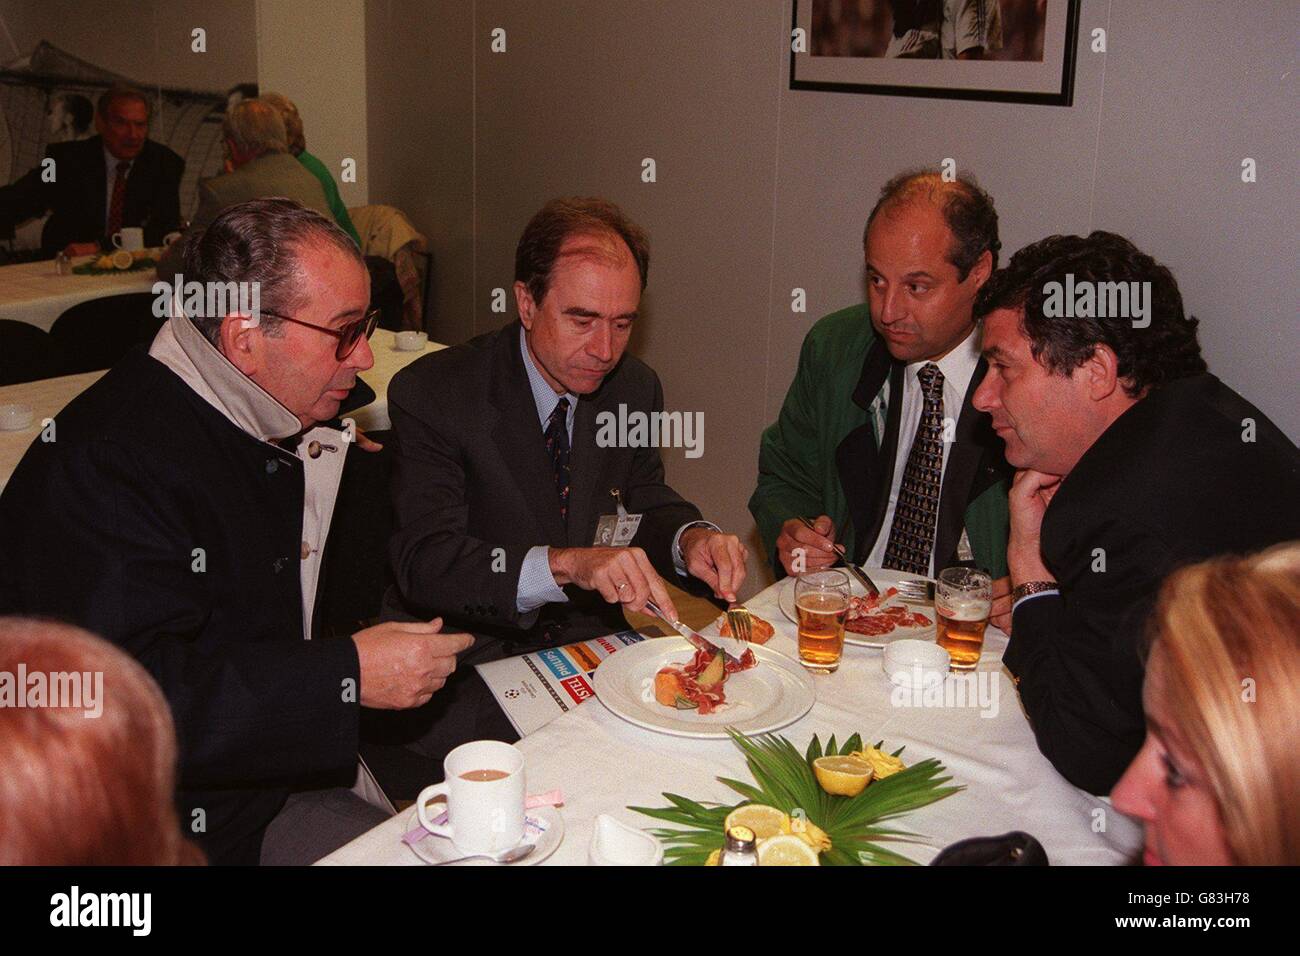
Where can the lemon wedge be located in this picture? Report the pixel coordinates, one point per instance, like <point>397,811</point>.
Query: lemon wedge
<point>765,821</point>
<point>842,776</point>
<point>714,858</point>
<point>786,850</point>
<point>882,764</point>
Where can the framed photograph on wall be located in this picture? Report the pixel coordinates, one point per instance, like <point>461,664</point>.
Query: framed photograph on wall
<point>1011,51</point>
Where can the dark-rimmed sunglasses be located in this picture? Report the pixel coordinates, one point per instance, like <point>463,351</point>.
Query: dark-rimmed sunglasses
<point>348,336</point>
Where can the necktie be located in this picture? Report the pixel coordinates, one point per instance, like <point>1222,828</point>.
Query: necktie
<point>557,443</point>
<point>911,537</point>
<point>118,202</point>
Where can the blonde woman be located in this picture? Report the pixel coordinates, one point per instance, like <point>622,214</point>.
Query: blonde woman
<point>88,752</point>
<point>1217,781</point>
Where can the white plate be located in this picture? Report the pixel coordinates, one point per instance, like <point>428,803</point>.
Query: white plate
<point>436,849</point>
<point>884,579</point>
<point>775,693</point>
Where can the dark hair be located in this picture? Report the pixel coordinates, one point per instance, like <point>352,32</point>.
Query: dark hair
<point>967,209</point>
<point>115,93</point>
<point>1149,356</point>
<point>258,241</point>
<point>559,219</point>
<point>79,108</point>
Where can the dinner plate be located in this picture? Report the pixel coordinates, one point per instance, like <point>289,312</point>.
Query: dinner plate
<point>772,695</point>
<point>543,826</point>
<point>884,579</point>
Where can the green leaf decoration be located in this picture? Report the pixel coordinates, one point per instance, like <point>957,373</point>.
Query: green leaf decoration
<point>784,778</point>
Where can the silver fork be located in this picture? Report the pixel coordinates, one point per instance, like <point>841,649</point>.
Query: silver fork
<point>916,592</point>
<point>741,623</point>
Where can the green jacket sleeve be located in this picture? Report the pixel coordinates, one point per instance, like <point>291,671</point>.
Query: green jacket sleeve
<point>789,479</point>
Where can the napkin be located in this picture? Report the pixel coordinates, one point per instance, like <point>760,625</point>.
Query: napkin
<point>551,798</point>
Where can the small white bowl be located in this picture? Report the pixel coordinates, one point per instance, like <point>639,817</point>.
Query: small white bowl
<point>412,341</point>
<point>614,843</point>
<point>14,418</point>
<point>909,661</point>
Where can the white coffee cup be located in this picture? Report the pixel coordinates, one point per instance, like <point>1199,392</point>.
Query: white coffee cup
<point>170,238</point>
<point>484,816</point>
<point>412,340</point>
<point>130,238</point>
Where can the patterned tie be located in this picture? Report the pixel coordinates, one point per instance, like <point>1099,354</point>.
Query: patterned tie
<point>911,538</point>
<point>118,202</point>
<point>557,443</point>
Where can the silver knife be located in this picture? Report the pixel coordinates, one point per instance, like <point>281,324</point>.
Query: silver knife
<point>731,646</point>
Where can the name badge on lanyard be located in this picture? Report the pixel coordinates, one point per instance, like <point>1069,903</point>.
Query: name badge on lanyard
<point>616,530</point>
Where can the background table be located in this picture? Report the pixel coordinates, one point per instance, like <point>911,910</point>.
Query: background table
<point>605,764</point>
<point>34,293</point>
<point>48,396</point>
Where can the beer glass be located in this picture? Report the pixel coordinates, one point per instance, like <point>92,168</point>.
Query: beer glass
<point>821,599</point>
<point>963,598</point>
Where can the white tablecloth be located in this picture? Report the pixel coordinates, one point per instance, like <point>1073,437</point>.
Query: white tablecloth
<point>48,396</point>
<point>604,765</point>
<point>32,292</point>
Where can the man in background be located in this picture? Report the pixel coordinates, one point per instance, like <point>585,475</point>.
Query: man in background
<point>297,140</point>
<point>258,166</point>
<point>1134,460</point>
<point>96,186</point>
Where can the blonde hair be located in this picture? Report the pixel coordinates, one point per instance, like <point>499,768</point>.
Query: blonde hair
<point>292,120</point>
<point>80,788</point>
<point>1228,653</point>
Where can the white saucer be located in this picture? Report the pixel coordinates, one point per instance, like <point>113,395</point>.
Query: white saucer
<point>436,849</point>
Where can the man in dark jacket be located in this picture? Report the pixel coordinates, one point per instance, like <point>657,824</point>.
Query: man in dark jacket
<point>1133,460</point>
<point>94,187</point>
<point>180,507</point>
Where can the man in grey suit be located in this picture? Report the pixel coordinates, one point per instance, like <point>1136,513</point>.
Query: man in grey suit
<point>258,166</point>
<point>505,478</point>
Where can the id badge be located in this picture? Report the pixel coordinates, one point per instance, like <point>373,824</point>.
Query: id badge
<point>616,530</point>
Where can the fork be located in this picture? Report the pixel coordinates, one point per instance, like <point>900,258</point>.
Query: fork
<point>741,623</point>
<point>915,592</point>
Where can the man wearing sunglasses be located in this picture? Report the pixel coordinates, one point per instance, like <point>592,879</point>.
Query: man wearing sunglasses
<point>180,507</point>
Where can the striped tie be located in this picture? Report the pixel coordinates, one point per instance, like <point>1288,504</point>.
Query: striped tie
<point>911,538</point>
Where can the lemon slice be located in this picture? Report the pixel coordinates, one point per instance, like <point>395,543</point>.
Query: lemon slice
<point>765,821</point>
<point>842,776</point>
<point>881,763</point>
<point>786,850</point>
<point>811,834</point>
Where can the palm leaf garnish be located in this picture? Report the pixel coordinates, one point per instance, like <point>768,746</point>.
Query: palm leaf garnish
<point>784,778</point>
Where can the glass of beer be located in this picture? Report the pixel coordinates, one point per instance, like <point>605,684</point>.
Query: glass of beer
<point>821,599</point>
<point>963,598</point>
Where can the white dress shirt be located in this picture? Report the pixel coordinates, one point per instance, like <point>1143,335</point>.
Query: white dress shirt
<point>958,367</point>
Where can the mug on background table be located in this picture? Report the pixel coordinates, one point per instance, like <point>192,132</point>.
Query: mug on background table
<point>485,790</point>
<point>130,238</point>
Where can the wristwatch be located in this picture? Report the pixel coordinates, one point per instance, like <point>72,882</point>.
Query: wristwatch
<point>1031,587</point>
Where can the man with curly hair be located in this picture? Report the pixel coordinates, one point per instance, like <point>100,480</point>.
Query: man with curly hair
<point>1133,460</point>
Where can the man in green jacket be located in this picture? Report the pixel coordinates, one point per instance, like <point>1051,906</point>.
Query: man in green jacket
<point>877,440</point>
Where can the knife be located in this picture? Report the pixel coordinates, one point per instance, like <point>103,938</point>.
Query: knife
<point>733,647</point>
<point>856,571</point>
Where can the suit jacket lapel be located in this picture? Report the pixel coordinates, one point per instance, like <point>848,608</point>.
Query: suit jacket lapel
<point>860,460</point>
<point>586,468</point>
<point>518,435</point>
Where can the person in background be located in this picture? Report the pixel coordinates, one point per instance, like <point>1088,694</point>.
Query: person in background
<point>88,778</point>
<point>258,166</point>
<point>298,148</point>
<point>99,185</point>
<point>70,118</point>
<point>1217,781</point>
<point>1133,460</point>
<point>877,440</point>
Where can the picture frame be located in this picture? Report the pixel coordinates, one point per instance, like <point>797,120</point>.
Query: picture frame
<point>860,46</point>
